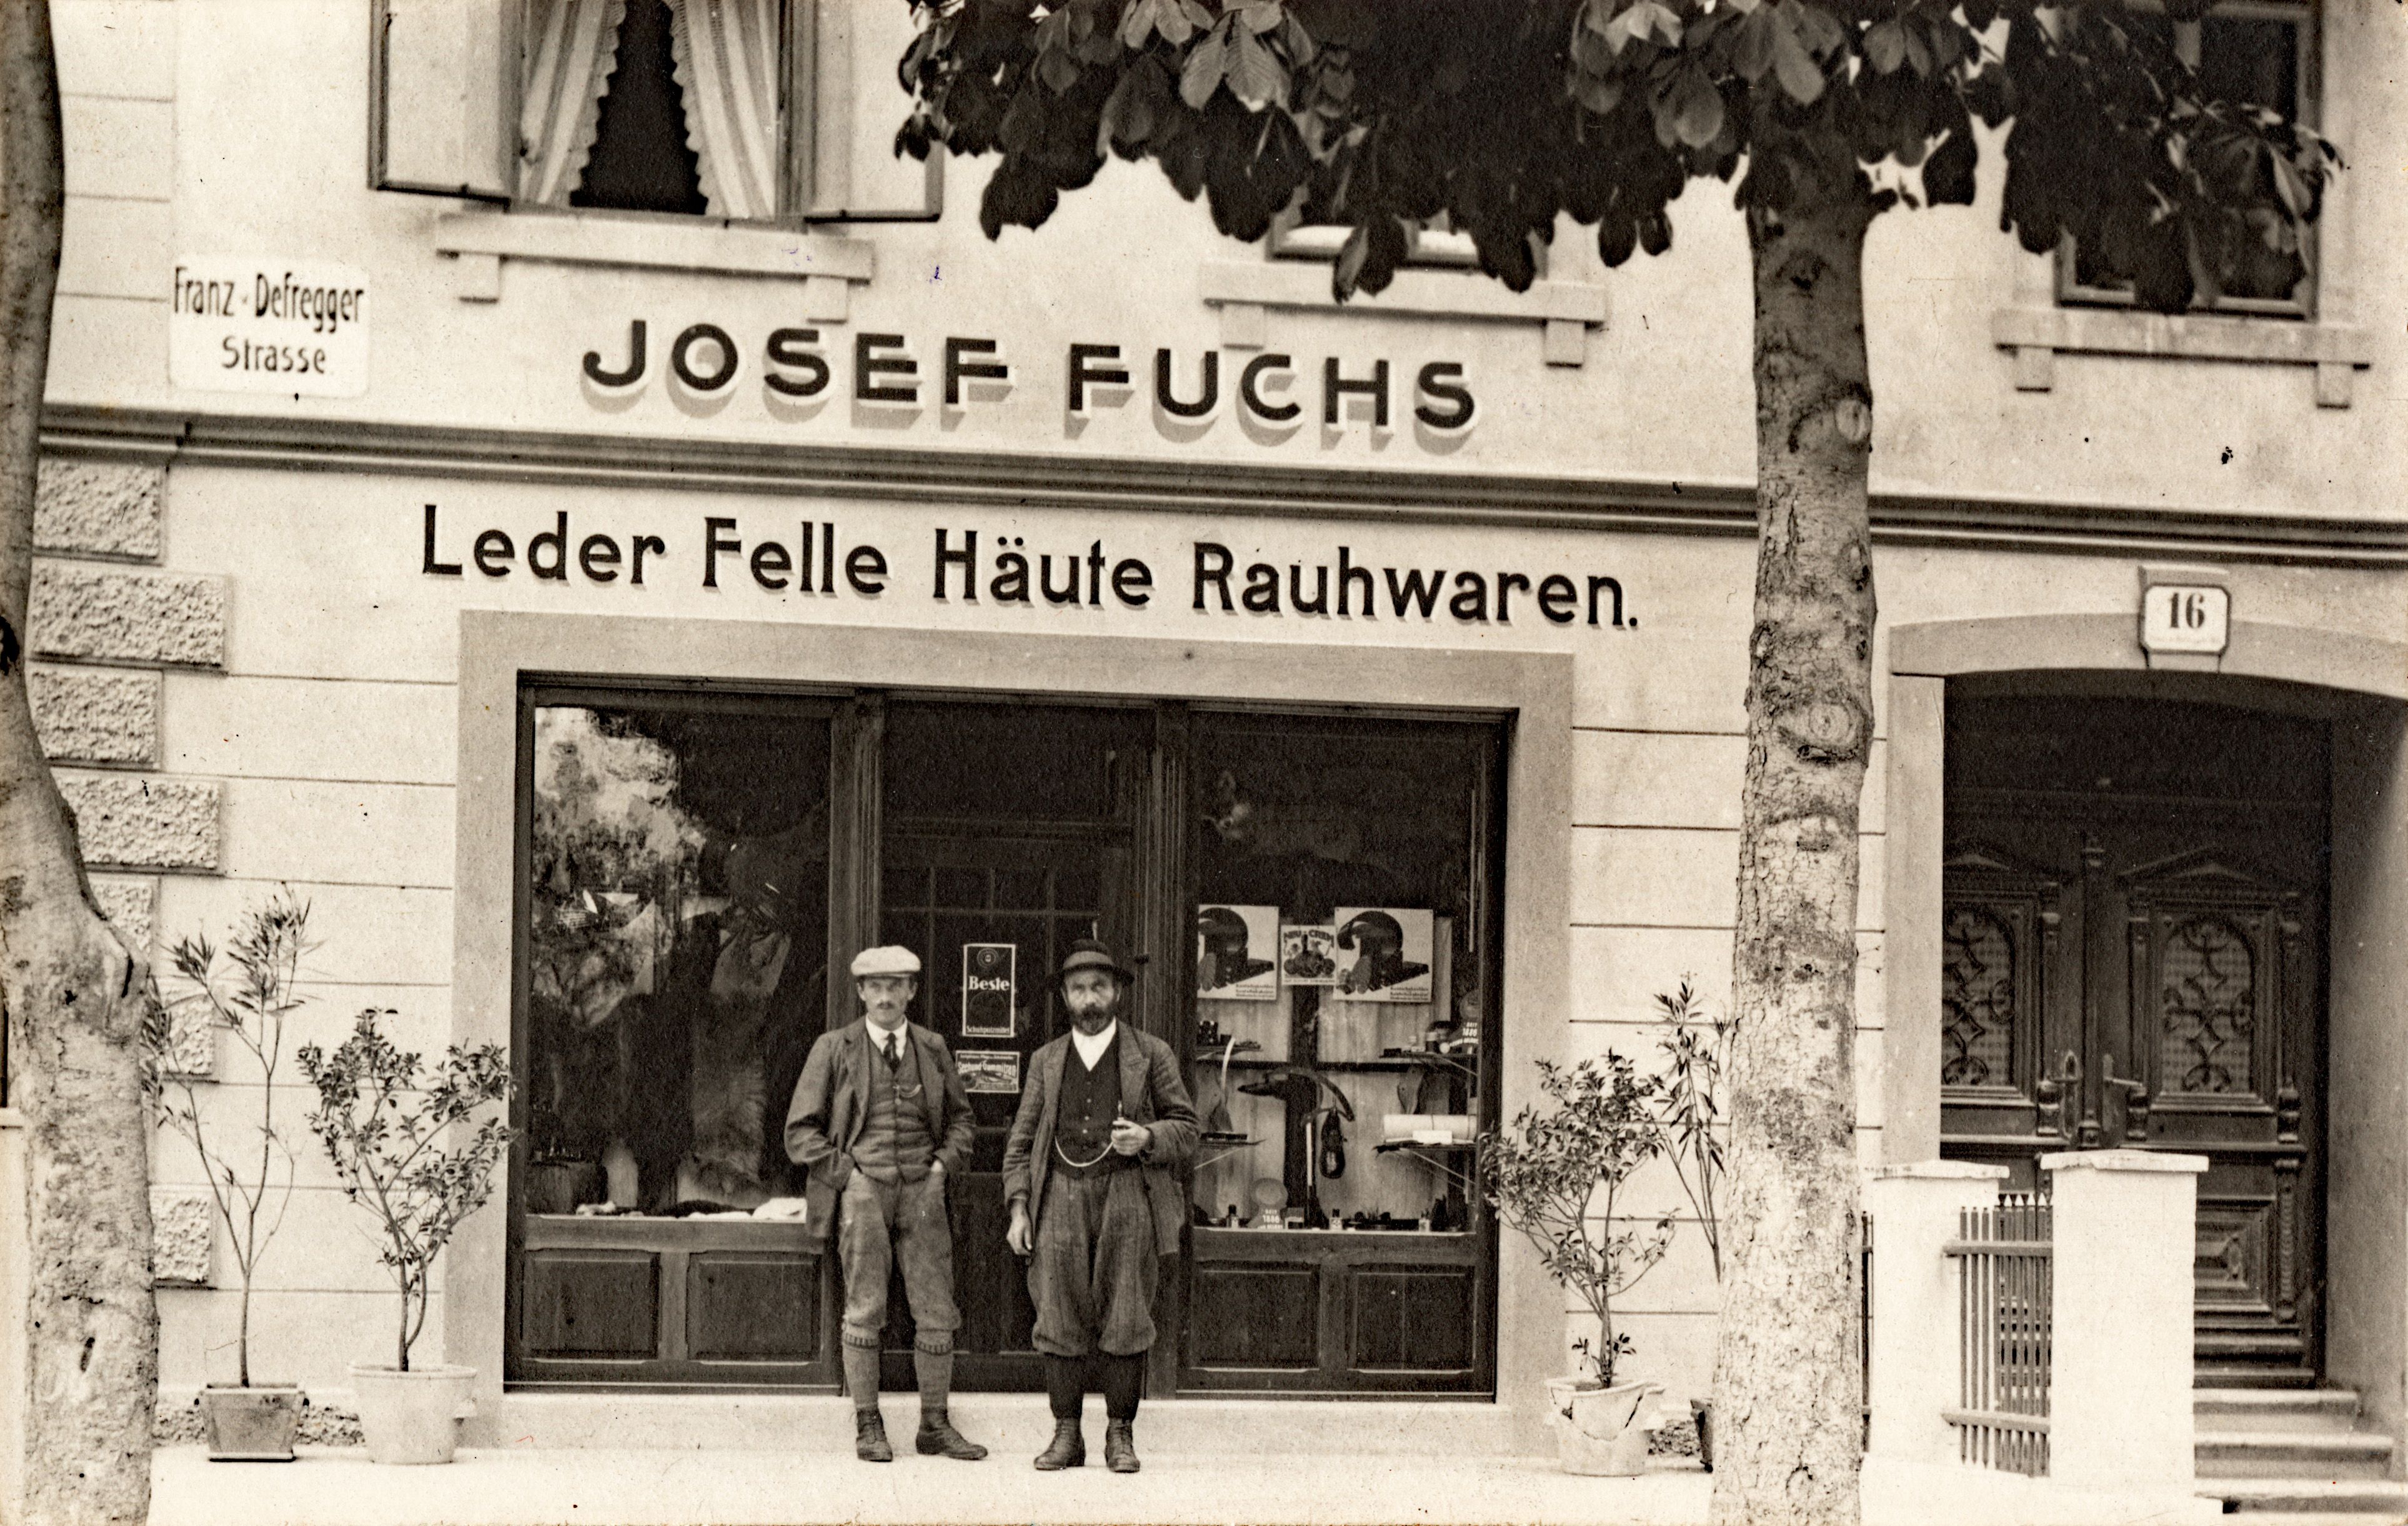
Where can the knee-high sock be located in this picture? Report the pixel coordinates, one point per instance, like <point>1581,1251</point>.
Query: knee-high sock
<point>1065,1385</point>
<point>861,1375</point>
<point>934,1371</point>
<point>1124,1382</point>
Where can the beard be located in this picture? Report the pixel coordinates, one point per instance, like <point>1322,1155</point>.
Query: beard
<point>1095,1019</point>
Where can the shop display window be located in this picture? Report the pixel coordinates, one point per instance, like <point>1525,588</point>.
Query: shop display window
<point>1309,903</point>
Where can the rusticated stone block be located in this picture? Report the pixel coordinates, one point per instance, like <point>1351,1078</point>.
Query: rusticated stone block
<point>100,508</point>
<point>90,715</point>
<point>131,903</point>
<point>143,821</point>
<point>96,613</point>
<point>183,1235</point>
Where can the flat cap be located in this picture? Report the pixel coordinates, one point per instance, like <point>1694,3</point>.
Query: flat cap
<point>885,959</point>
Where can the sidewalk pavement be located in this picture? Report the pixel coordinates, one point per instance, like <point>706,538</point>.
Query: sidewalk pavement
<point>630,1487</point>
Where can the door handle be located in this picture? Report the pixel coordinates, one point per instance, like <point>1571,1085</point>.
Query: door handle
<point>2050,1095</point>
<point>2136,1101</point>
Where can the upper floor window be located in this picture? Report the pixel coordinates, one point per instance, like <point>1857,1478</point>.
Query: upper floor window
<point>655,105</point>
<point>2253,53</point>
<point>746,110</point>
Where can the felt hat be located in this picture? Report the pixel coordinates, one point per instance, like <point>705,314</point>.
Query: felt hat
<point>1374,926</point>
<point>1087,954</point>
<point>886,959</point>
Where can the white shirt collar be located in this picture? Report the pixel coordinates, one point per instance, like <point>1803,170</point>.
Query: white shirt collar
<point>1091,1046</point>
<point>882,1040</point>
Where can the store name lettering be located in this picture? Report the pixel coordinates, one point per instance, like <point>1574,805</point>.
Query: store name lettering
<point>1267,390</point>
<point>817,560</point>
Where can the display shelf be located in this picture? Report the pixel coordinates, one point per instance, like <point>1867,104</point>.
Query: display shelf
<point>1412,1061</point>
<point>1435,1157</point>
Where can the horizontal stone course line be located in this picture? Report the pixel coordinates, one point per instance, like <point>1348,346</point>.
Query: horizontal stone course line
<point>147,820</point>
<point>1028,480</point>
<point>98,612</point>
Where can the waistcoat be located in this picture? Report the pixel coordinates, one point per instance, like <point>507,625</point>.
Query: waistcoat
<point>894,1144</point>
<point>1084,1113</point>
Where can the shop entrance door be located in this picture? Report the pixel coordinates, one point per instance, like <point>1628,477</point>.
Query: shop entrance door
<point>1006,835</point>
<point>2133,958</point>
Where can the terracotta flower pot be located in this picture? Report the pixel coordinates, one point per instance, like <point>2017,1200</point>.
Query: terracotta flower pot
<point>252,1424</point>
<point>1599,1432</point>
<point>414,1416</point>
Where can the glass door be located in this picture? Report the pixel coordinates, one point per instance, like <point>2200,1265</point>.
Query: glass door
<point>1005,834</point>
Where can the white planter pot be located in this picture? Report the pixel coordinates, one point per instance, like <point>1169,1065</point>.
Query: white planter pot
<point>1599,1432</point>
<point>412,1417</point>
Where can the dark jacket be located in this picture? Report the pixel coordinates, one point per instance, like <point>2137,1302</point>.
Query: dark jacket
<point>1151,1093</point>
<point>832,1102</point>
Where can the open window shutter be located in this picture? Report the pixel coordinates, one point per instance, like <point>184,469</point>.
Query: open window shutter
<point>442,98</point>
<point>854,108</point>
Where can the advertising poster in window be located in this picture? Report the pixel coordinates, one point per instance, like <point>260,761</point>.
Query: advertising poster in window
<point>1384,953</point>
<point>990,990</point>
<point>1308,954</point>
<point>1234,949</point>
<point>996,1072</point>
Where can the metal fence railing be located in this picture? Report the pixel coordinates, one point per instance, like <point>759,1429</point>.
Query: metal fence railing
<point>2006,1285</point>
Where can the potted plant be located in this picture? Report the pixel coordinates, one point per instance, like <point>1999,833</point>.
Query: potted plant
<point>249,1173</point>
<point>1555,1175</point>
<point>383,1117</point>
<point>1696,1052</point>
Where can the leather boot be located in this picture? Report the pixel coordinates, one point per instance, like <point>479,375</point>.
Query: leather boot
<point>1120,1445</point>
<point>937,1435</point>
<point>869,1437</point>
<point>1068,1449</point>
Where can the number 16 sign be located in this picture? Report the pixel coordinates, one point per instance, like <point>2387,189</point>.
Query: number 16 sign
<point>2185,617</point>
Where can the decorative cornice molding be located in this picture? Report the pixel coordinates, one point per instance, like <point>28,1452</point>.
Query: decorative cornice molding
<point>1022,480</point>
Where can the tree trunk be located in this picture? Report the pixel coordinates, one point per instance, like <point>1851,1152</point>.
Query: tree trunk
<point>1787,1429</point>
<point>76,1000</point>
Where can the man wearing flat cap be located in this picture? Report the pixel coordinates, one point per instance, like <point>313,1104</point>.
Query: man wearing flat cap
<point>881,1121</point>
<point>1093,1172</point>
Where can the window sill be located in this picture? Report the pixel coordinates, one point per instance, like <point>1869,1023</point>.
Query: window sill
<point>1245,290</point>
<point>828,267</point>
<point>2038,335</point>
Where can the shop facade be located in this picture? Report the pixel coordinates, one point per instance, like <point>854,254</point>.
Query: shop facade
<point>654,607</point>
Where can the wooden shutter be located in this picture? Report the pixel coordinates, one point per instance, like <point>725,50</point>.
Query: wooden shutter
<point>442,96</point>
<point>855,105</point>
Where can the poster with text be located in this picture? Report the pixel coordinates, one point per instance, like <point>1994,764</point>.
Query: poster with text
<point>1234,949</point>
<point>1384,953</point>
<point>995,1071</point>
<point>1308,954</point>
<point>990,990</point>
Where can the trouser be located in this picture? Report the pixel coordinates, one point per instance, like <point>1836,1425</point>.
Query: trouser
<point>1095,1271</point>
<point>1122,1382</point>
<point>878,1224</point>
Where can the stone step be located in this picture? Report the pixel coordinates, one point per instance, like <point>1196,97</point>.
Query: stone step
<point>2308,1497</point>
<point>2275,1409</point>
<point>2250,1374</point>
<point>2293,1454</point>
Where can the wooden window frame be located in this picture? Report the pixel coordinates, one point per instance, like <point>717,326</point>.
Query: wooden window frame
<point>2306,16</point>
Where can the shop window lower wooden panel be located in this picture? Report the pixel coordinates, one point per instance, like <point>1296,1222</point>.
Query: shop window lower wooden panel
<point>1254,1316</point>
<point>1411,1318</point>
<point>594,1304</point>
<point>752,1306</point>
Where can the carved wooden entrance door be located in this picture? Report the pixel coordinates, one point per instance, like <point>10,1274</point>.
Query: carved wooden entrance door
<point>2133,958</point>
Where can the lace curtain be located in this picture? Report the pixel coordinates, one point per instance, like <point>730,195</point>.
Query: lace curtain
<point>726,53</point>
<point>727,69</point>
<point>572,46</point>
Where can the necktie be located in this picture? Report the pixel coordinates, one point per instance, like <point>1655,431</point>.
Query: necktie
<point>894,1051</point>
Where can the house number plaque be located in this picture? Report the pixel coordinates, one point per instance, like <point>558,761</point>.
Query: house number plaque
<point>2185,617</point>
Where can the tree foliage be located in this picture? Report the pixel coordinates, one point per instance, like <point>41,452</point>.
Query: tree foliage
<point>1500,116</point>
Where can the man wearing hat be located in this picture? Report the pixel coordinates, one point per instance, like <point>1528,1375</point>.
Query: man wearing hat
<point>1092,1171</point>
<point>881,1121</point>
